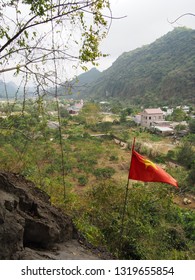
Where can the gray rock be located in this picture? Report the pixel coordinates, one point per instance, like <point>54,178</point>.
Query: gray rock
<point>27,218</point>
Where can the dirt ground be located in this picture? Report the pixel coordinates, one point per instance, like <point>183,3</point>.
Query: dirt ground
<point>179,200</point>
<point>70,250</point>
<point>162,146</point>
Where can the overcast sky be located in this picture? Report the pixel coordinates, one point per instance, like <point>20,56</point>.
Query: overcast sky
<point>146,21</point>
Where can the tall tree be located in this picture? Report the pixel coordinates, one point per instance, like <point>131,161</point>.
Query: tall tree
<point>44,39</point>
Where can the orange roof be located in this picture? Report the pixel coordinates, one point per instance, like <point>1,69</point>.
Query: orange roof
<point>153,111</point>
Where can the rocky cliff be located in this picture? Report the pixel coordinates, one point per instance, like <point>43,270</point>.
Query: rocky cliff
<point>27,218</point>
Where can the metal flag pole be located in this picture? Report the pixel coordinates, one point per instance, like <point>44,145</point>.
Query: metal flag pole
<point>125,201</point>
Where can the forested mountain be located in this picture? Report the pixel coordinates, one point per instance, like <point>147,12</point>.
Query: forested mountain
<point>161,73</point>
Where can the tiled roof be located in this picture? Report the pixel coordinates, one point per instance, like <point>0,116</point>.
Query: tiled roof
<point>153,111</point>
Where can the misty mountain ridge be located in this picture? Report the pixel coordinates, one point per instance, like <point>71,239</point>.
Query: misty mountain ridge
<point>80,84</point>
<point>7,89</point>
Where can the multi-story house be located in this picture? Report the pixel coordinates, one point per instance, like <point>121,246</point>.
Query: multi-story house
<point>149,116</point>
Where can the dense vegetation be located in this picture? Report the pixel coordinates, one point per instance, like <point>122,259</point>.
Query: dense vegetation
<point>157,74</point>
<point>93,188</point>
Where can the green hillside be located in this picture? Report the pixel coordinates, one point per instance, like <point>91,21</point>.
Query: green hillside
<point>161,73</point>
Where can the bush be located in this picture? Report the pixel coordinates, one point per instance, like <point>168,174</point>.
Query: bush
<point>83,180</point>
<point>171,155</point>
<point>153,227</point>
<point>186,155</point>
<point>104,173</point>
<point>192,126</point>
<point>113,158</point>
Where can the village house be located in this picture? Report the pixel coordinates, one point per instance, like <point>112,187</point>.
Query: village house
<point>137,119</point>
<point>162,127</point>
<point>149,116</point>
<point>185,108</point>
<point>167,111</point>
<point>162,130</point>
<point>74,110</point>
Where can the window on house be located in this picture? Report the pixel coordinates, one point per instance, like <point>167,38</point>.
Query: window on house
<point>149,118</point>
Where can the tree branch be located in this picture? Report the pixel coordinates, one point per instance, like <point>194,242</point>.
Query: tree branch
<point>27,26</point>
<point>187,14</point>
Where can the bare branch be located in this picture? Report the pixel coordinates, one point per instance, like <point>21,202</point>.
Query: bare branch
<point>27,25</point>
<point>187,14</point>
<point>32,48</point>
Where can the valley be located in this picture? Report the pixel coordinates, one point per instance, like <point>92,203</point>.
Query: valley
<point>85,176</point>
<point>76,149</point>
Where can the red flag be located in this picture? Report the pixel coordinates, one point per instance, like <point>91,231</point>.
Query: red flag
<point>142,169</point>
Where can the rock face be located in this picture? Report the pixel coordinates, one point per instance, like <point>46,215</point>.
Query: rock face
<point>27,219</point>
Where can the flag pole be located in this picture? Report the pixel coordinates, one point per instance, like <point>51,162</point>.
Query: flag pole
<point>125,200</point>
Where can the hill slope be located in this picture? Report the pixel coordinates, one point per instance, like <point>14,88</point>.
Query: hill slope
<point>81,84</point>
<point>160,73</point>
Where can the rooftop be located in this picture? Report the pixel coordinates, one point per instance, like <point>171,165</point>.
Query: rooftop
<point>163,129</point>
<point>153,111</point>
